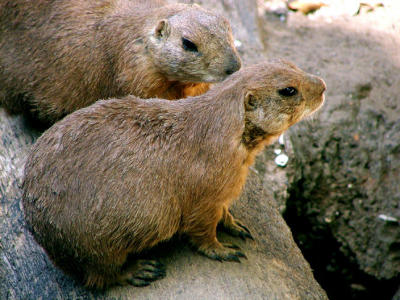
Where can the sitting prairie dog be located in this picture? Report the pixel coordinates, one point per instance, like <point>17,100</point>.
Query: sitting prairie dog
<point>59,56</point>
<point>122,175</point>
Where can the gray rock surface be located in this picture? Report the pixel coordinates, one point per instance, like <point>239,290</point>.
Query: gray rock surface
<point>352,174</point>
<point>346,183</point>
<point>275,268</point>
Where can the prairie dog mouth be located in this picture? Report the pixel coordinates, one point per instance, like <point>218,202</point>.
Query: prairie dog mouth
<point>308,111</point>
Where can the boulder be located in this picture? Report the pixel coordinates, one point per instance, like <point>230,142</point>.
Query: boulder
<point>344,203</point>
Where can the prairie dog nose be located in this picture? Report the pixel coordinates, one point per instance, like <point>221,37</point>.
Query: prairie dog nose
<point>313,87</point>
<point>319,83</point>
<point>233,64</point>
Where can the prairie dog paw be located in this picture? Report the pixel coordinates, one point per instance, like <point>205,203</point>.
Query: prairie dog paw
<point>223,252</point>
<point>143,272</point>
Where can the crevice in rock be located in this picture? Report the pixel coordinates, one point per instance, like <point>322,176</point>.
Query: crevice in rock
<point>334,266</point>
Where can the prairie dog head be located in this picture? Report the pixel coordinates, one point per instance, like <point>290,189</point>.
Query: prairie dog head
<point>278,95</point>
<point>194,45</point>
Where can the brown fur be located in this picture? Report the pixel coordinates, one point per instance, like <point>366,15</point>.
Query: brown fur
<point>122,175</point>
<point>59,56</point>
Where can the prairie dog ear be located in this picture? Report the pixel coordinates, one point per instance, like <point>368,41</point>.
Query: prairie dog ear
<point>250,102</point>
<point>162,30</point>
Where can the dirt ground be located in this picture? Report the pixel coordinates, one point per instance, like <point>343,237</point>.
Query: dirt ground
<point>355,47</point>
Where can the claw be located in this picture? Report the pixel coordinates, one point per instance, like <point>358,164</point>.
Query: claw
<point>217,257</point>
<point>244,235</point>
<point>223,252</point>
<point>236,228</point>
<point>138,282</point>
<point>153,263</point>
<point>244,227</point>
<point>234,258</point>
<point>144,273</point>
<point>232,246</point>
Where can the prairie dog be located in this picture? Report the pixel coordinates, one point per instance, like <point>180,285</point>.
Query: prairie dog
<point>122,175</point>
<point>59,56</point>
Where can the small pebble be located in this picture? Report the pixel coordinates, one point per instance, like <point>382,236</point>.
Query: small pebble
<point>281,160</point>
<point>387,218</point>
<point>237,43</point>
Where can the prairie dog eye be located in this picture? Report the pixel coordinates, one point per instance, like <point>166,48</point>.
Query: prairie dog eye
<point>188,45</point>
<point>288,91</point>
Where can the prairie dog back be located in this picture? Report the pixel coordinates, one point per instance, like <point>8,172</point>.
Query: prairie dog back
<point>59,56</point>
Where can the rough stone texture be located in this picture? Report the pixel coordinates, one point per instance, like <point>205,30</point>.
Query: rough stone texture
<point>346,184</point>
<point>397,295</point>
<point>275,268</point>
<point>352,174</point>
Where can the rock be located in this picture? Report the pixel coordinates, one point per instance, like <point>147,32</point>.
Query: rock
<point>344,202</point>
<point>348,174</point>
<point>397,295</point>
<point>275,268</point>
<point>348,167</point>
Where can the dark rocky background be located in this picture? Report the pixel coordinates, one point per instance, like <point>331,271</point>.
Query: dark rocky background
<point>344,192</point>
